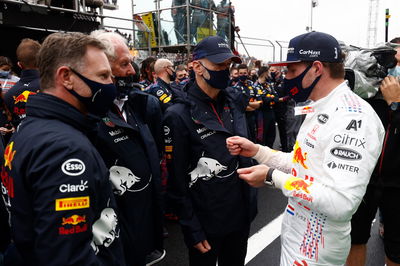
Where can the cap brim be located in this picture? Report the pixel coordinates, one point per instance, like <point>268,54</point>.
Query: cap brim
<point>220,58</point>
<point>283,63</point>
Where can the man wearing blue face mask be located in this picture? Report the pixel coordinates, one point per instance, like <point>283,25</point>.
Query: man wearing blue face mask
<point>335,152</point>
<point>54,182</point>
<point>7,79</point>
<point>213,205</point>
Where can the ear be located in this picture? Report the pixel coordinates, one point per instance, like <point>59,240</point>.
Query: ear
<point>197,68</point>
<point>20,65</point>
<point>319,67</point>
<point>63,76</point>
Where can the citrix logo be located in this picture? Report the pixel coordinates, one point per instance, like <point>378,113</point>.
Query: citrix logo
<point>348,140</point>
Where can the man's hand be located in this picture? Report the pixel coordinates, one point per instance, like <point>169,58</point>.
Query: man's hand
<point>390,88</point>
<point>241,146</point>
<point>203,246</point>
<point>254,175</point>
<point>255,105</point>
<point>4,130</point>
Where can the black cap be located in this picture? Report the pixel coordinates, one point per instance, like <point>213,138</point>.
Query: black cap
<point>215,49</point>
<point>312,46</point>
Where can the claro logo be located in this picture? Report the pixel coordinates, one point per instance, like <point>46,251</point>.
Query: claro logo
<point>73,167</point>
<point>346,154</point>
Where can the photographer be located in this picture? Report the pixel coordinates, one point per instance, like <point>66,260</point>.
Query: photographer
<point>384,186</point>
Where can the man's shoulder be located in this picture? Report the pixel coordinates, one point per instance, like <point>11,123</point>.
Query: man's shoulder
<point>178,109</point>
<point>349,102</point>
<point>41,130</point>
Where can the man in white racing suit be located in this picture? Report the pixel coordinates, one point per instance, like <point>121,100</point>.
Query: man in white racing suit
<point>326,174</point>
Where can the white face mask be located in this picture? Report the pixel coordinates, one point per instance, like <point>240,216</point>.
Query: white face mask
<point>395,72</point>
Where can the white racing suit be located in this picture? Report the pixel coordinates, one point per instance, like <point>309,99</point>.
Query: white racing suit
<point>325,177</point>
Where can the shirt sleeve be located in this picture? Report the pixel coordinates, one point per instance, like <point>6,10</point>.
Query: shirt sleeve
<point>54,206</point>
<point>275,159</point>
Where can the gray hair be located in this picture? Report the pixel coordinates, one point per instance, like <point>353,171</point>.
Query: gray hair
<point>110,40</point>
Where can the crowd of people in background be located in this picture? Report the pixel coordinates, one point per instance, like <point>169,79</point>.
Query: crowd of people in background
<point>99,150</point>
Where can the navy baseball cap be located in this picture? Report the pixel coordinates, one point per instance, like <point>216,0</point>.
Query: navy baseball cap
<point>215,49</point>
<point>312,46</point>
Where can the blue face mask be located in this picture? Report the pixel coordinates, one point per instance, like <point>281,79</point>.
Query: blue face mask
<point>4,74</point>
<point>294,87</point>
<point>218,79</point>
<point>395,72</point>
<point>102,97</point>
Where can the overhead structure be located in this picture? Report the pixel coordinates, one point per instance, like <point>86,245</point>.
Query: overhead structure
<point>176,26</point>
<point>372,23</point>
<point>36,19</point>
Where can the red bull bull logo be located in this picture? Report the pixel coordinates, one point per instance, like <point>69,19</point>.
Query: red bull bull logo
<point>300,188</point>
<point>9,155</point>
<point>299,184</point>
<point>23,97</point>
<point>299,156</point>
<point>74,220</point>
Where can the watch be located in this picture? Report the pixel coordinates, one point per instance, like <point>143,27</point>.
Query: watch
<point>394,106</point>
<point>268,179</point>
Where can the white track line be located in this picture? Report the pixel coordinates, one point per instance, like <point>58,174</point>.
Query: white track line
<point>263,238</point>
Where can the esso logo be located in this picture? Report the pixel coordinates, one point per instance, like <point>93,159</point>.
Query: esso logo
<point>159,93</point>
<point>73,167</point>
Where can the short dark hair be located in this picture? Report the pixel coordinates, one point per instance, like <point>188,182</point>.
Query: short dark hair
<point>146,64</point>
<point>336,70</point>
<point>262,70</point>
<point>27,52</point>
<point>242,66</point>
<point>180,67</point>
<point>232,69</point>
<point>5,61</point>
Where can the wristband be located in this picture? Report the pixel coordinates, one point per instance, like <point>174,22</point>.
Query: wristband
<point>268,179</point>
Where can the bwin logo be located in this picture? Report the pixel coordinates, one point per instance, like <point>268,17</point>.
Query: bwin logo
<point>206,169</point>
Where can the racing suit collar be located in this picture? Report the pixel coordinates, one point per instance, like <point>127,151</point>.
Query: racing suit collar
<point>44,105</point>
<point>29,74</point>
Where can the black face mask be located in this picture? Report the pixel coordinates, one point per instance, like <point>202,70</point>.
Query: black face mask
<point>235,79</point>
<point>124,85</point>
<point>102,97</point>
<point>218,79</point>
<point>273,76</point>
<point>294,87</point>
<point>172,76</point>
<point>243,78</point>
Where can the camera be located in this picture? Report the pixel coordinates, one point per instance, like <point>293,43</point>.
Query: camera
<point>366,68</point>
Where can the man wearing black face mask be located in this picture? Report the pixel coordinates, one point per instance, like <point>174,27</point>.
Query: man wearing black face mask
<point>337,147</point>
<point>214,207</point>
<point>54,182</point>
<point>161,89</point>
<point>127,144</point>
